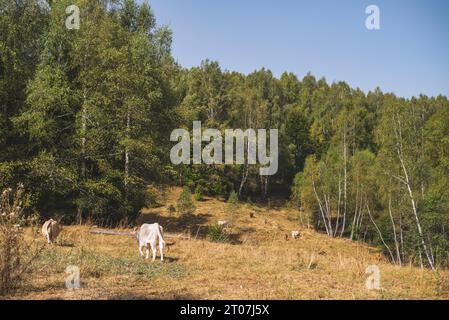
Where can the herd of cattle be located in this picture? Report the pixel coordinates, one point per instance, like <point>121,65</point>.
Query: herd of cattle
<point>148,235</point>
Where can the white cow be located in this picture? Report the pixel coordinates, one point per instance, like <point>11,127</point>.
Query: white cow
<point>151,234</point>
<point>223,223</point>
<point>50,230</point>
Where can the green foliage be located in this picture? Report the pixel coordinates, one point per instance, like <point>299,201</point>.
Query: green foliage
<point>199,193</point>
<point>83,141</point>
<point>153,197</point>
<point>233,206</point>
<point>217,233</point>
<point>185,204</point>
<point>233,201</point>
<point>14,252</point>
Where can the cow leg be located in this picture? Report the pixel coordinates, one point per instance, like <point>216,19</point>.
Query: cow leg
<point>148,253</point>
<point>140,250</point>
<point>154,252</point>
<point>48,239</point>
<point>161,250</point>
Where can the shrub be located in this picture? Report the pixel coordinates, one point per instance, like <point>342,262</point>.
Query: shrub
<point>233,205</point>
<point>107,204</point>
<point>199,193</point>
<point>171,209</point>
<point>12,247</point>
<point>233,201</point>
<point>185,204</point>
<point>153,197</point>
<point>217,233</point>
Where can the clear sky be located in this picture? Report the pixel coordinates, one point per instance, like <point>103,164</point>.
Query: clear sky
<point>409,55</point>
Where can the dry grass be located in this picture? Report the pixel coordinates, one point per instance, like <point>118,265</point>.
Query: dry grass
<point>258,263</point>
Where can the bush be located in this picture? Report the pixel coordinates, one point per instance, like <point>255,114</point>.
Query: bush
<point>199,193</point>
<point>171,209</point>
<point>217,233</point>
<point>233,205</point>
<point>185,204</point>
<point>12,247</point>
<point>153,197</point>
<point>233,201</point>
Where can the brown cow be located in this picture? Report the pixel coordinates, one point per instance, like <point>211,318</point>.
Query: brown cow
<point>50,230</point>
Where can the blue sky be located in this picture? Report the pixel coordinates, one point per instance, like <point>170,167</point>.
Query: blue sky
<point>409,55</point>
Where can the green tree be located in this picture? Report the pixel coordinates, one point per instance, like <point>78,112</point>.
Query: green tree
<point>185,204</point>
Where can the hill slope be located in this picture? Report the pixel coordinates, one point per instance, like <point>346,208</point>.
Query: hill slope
<point>258,263</point>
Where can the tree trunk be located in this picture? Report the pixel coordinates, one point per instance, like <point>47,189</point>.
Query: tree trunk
<point>321,209</point>
<point>415,214</point>
<point>398,132</point>
<point>128,130</point>
<point>398,255</point>
<point>79,214</point>
<point>244,177</point>
<point>380,233</point>
<point>338,206</point>
<point>355,213</point>
<point>401,237</point>
<point>328,214</point>
<point>345,193</point>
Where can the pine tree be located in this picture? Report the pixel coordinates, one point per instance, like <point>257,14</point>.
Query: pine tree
<point>185,204</point>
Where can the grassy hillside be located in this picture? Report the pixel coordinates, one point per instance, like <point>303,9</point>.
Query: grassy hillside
<point>257,262</point>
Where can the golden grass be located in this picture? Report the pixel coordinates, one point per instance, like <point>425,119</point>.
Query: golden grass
<point>258,264</point>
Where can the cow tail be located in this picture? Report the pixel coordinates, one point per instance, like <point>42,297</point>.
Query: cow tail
<point>161,237</point>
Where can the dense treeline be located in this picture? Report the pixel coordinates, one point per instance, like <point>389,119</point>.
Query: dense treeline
<point>86,117</point>
<point>86,121</point>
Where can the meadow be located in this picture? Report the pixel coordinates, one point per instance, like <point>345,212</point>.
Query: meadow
<point>255,261</point>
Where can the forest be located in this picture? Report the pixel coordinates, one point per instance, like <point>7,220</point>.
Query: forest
<point>86,117</point>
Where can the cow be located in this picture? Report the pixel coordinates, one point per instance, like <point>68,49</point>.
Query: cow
<point>223,223</point>
<point>295,234</point>
<point>151,234</point>
<point>50,230</point>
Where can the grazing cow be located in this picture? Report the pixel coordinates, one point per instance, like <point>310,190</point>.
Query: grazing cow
<point>222,223</point>
<point>51,230</point>
<point>295,234</point>
<point>151,234</point>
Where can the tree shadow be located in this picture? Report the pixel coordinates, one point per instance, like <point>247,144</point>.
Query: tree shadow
<point>66,245</point>
<point>170,259</point>
<point>167,259</point>
<point>163,297</point>
<point>195,225</point>
<point>236,238</point>
<point>179,223</point>
<point>274,202</point>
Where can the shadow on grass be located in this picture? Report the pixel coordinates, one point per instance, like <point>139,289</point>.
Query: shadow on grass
<point>158,259</point>
<point>168,296</point>
<point>236,238</point>
<point>66,245</point>
<point>197,225</point>
<point>176,223</point>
